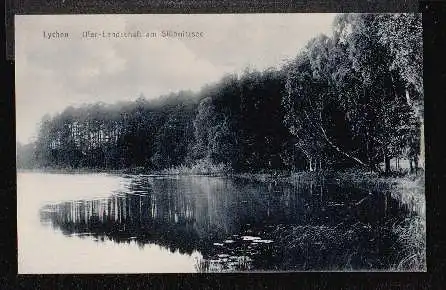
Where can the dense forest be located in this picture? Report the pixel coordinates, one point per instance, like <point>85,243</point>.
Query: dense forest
<point>354,99</point>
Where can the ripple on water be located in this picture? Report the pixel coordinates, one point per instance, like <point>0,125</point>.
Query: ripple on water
<point>263,241</point>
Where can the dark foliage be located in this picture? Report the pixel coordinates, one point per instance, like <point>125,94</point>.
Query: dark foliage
<point>353,99</point>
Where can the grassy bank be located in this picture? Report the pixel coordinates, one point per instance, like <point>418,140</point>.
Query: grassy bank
<point>200,167</point>
<point>353,247</point>
<point>408,234</point>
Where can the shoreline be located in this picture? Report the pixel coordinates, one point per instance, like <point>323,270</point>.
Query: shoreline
<point>359,177</point>
<point>406,188</point>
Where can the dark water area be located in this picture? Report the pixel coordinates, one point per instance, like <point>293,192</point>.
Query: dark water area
<point>236,225</point>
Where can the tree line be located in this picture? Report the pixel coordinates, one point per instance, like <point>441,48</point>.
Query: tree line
<point>353,99</point>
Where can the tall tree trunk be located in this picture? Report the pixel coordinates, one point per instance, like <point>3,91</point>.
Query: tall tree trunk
<point>420,118</point>
<point>339,150</point>
<point>387,168</point>
<point>324,135</point>
<point>369,161</point>
<point>387,165</point>
<point>422,160</point>
<point>415,161</point>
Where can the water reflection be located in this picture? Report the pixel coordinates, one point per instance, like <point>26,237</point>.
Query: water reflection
<point>233,223</point>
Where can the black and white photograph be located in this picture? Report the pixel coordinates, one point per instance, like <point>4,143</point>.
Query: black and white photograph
<point>210,143</point>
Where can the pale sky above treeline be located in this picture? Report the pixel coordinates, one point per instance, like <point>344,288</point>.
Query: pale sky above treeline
<point>52,74</point>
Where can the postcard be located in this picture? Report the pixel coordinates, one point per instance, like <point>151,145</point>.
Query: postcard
<point>180,143</point>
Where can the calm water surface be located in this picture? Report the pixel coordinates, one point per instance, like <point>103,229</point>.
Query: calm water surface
<point>98,223</point>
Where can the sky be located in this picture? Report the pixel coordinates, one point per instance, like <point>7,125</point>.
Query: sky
<point>52,74</point>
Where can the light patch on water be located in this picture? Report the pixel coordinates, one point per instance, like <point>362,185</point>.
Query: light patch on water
<point>250,238</point>
<point>76,255</point>
<point>80,234</point>
<point>54,187</point>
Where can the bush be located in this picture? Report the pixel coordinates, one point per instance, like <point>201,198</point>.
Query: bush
<point>200,167</point>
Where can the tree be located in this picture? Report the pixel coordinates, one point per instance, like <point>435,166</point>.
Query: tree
<point>351,99</point>
<point>402,35</point>
<point>375,102</point>
<point>343,96</point>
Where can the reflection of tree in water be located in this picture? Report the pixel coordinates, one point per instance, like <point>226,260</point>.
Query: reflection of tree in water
<point>196,213</point>
<point>144,218</point>
<point>178,214</point>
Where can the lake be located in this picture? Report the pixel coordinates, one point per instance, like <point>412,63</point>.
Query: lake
<point>105,223</point>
